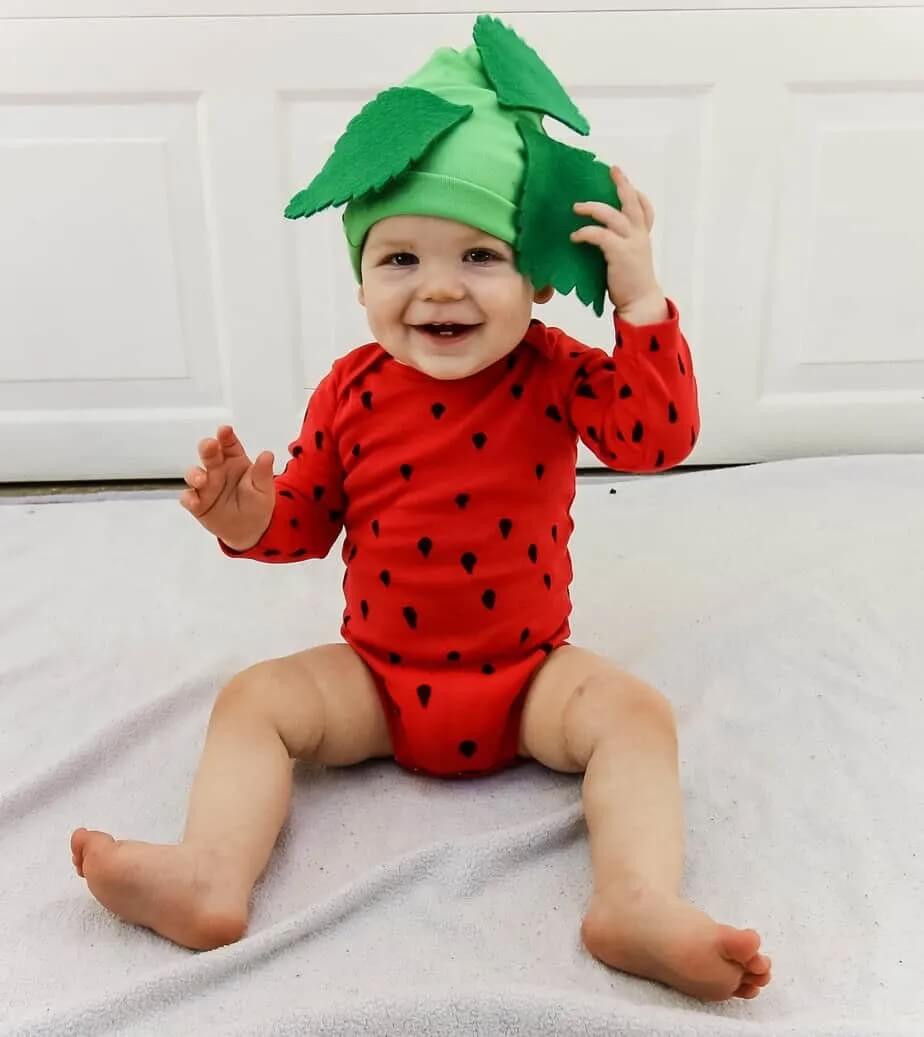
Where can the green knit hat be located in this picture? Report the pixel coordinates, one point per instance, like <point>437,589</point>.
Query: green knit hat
<point>463,139</point>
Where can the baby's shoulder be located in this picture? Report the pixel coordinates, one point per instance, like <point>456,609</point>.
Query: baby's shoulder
<point>552,343</point>
<point>351,369</point>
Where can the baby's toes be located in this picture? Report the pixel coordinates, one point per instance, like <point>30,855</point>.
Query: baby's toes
<point>747,990</point>
<point>78,846</point>
<point>758,964</point>
<point>738,945</point>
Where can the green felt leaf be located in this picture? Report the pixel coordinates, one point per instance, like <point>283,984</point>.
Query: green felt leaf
<point>556,177</point>
<point>521,79</point>
<point>391,132</point>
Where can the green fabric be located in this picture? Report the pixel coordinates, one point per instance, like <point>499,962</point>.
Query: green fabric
<point>547,219</point>
<point>481,193</point>
<point>520,77</point>
<point>390,132</point>
<point>449,142</point>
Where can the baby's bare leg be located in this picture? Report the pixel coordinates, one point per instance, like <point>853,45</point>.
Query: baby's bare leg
<point>584,714</point>
<point>319,705</point>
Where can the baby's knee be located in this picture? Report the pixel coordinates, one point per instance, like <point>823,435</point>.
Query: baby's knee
<point>609,699</point>
<point>268,695</point>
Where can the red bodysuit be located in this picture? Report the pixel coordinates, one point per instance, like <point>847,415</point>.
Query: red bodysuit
<point>456,498</point>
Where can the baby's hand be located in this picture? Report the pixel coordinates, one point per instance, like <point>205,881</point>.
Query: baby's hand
<point>624,238</point>
<point>231,496</point>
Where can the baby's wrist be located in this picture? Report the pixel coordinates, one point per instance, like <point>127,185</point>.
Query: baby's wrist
<point>650,310</point>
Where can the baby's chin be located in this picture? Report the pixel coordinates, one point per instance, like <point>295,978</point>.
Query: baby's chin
<point>447,368</point>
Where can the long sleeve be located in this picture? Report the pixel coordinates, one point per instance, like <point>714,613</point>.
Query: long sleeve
<point>637,409</point>
<point>310,500</point>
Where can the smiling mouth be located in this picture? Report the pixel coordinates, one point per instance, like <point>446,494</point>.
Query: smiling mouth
<point>446,332</point>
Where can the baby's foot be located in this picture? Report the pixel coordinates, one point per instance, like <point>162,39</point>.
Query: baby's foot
<point>182,892</point>
<point>660,936</point>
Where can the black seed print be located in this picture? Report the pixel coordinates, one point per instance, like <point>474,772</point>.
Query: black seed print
<point>683,370</point>
<point>574,354</point>
<point>462,499</point>
<point>300,553</point>
<point>318,492</point>
<point>547,648</point>
<point>654,345</point>
<point>547,580</point>
<point>425,546</point>
<point>364,608</point>
<point>353,551</point>
<point>555,533</point>
<point>524,636</point>
<point>468,748</point>
<point>423,693</point>
<point>586,389</point>
<point>672,413</point>
<point>406,470</point>
<point>287,493</point>
<point>609,366</point>
<point>293,522</point>
<point>540,471</point>
<point>410,616</point>
<point>468,561</point>
<point>660,460</point>
<point>438,410</point>
<point>620,436</point>
<point>638,430</point>
<point>517,391</point>
<point>271,553</point>
<point>367,399</point>
<point>297,451</point>
<point>385,577</point>
<point>511,361</point>
<point>533,553</point>
<point>479,439</point>
<point>356,450</point>
<point>487,669</point>
<point>505,525</point>
<point>335,516</point>
<point>619,340</point>
<point>346,620</point>
<point>375,526</point>
<point>453,657</point>
<point>592,434</point>
<point>625,392</point>
<point>319,440</point>
<point>394,658</point>
<point>488,599</point>
<point>552,412</point>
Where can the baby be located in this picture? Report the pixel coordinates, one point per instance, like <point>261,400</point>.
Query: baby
<point>446,449</point>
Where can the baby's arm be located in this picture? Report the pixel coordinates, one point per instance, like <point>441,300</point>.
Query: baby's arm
<point>308,496</point>
<point>295,515</point>
<point>636,408</point>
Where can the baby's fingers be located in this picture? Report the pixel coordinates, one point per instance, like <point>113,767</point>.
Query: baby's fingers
<point>191,501</point>
<point>210,453</point>
<point>230,445</point>
<point>196,478</point>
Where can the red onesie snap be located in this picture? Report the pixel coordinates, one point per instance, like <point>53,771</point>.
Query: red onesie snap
<point>456,498</point>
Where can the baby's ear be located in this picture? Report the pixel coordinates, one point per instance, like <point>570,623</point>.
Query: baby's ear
<point>544,294</point>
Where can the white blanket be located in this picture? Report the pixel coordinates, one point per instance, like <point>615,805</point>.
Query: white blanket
<point>779,606</point>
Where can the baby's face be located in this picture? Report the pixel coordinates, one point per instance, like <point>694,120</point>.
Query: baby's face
<point>423,270</point>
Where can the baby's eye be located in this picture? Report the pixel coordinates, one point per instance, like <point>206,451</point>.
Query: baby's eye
<point>393,260</point>
<point>482,255</point>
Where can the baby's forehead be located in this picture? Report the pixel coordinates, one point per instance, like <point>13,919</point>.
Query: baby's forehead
<point>405,231</point>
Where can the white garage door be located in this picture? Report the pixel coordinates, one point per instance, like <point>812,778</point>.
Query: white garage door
<point>150,288</point>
